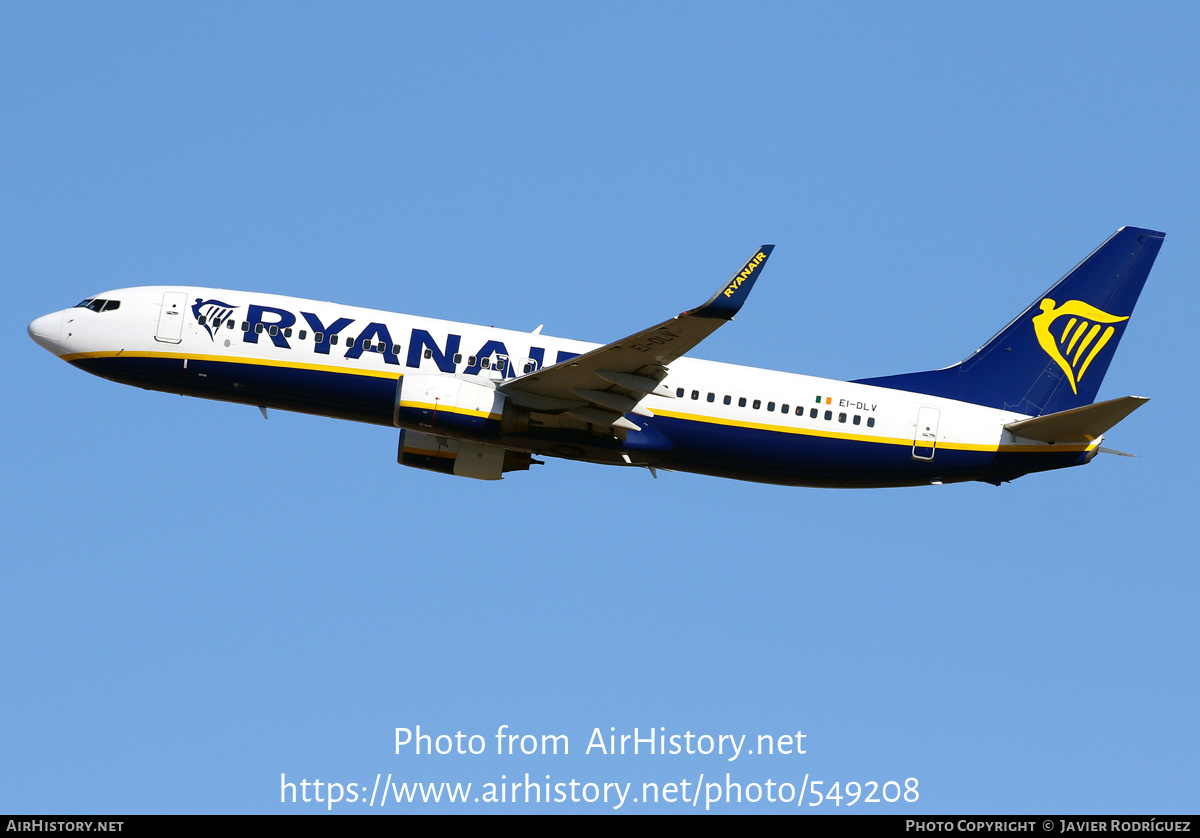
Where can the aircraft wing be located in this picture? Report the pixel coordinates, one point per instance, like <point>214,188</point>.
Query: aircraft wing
<point>602,385</point>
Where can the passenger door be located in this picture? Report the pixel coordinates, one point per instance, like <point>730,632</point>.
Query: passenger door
<point>170,319</point>
<point>925,439</point>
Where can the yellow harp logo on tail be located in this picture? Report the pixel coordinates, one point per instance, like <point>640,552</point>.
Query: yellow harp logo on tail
<point>1084,333</point>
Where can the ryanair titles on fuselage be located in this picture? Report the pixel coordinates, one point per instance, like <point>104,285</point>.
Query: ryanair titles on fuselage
<point>373,338</point>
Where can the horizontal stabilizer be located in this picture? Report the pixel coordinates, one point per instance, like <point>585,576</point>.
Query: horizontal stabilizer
<point>1079,424</point>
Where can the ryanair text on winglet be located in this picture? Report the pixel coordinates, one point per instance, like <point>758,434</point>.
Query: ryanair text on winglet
<point>745,273</point>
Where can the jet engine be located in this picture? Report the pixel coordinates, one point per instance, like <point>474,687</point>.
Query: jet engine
<point>455,406</point>
<point>464,459</point>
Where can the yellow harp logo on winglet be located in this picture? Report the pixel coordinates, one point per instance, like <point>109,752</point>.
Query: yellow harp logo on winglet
<point>1083,334</point>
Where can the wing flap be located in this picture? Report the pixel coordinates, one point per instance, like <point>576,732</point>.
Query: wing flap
<point>636,383</point>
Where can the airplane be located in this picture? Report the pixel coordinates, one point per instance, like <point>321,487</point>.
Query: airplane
<point>479,402</point>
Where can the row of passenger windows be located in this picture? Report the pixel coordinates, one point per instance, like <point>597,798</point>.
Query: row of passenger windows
<point>318,337</point>
<point>757,404</point>
<point>500,364</point>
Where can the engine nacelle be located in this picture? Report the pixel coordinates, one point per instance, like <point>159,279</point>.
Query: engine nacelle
<point>448,403</point>
<point>464,459</point>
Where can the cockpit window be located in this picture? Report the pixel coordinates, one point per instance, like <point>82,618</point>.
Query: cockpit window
<point>96,304</point>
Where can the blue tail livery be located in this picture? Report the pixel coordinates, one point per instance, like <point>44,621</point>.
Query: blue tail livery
<point>1053,356</point>
<point>480,402</point>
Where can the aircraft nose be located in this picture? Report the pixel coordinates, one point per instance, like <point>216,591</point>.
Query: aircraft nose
<point>46,331</point>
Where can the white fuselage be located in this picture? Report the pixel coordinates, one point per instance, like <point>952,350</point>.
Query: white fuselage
<point>320,357</point>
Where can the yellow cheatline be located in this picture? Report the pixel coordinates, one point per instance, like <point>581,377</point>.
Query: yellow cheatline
<point>881,440</point>
<point>442,408</point>
<point>224,359</point>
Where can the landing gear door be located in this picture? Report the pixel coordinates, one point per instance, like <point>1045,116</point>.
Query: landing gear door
<point>170,319</point>
<point>925,440</point>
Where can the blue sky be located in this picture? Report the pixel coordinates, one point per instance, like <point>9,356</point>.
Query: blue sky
<point>198,601</point>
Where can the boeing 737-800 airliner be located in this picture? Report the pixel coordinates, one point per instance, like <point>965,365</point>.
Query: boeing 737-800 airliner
<point>478,402</point>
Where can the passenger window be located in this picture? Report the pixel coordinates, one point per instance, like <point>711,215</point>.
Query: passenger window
<point>471,359</point>
<point>771,406</point>
<point>245,325</point>
<point>695,395</point>
<point>428,352</point>
<point>842,418</point>
<point>529,367</point>
<point>333,340</point>
<point>712,397</point>
<point>742,401</point>
<point>366,344</point>
<point>200,319</point>
<point>229,323</point>
<point>679,392</point>
<point>812,414</point>
<point>395,349</point>
<point>318,337</point>
<point>274,330</point>
<point>828,415</point>
<point>783,408</point>
<point>258,328</point>
<point>857,419</point>
<point>484,363</point>
<point>728,400</point>
<point>757,404</point>
<point>870,421</point>
<point>302,334</point>
<point>458,357</point>
<point>287,333</point>
<point>500,364</point>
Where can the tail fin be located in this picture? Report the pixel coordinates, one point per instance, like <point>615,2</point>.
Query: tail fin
<point>1053,356</point>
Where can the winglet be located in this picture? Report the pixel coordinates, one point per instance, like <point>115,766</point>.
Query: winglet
<point>725,303</point>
